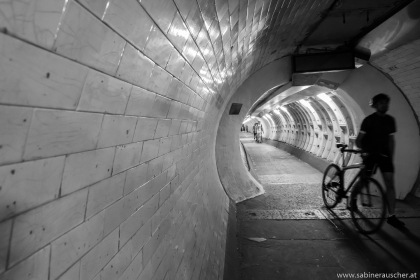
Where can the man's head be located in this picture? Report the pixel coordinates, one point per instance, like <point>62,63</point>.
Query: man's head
<point>380,102</point>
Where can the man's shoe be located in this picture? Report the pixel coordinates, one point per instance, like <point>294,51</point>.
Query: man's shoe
<point>393,221</point>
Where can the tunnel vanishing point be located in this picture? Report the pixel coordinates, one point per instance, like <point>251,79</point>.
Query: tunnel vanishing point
<point>119,121</point>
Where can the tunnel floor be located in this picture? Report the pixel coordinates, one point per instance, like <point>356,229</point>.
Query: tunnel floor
<point>287,233</point>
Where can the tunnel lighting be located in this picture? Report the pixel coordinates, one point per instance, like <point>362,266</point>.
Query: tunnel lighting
<point>306,104</point>
<point>284,109</point>
<point>190,51</point>
<point>180,32</point>
<point>324,97</point>
<point>269,119</point>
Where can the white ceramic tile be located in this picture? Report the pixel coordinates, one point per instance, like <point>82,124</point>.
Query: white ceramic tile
<point>141,102</point>
<point>163,127</point>
<point>150,150</point>
<point>61,132</point>
<point>130,20</point>
<point>97,7</point>
<point>33,268</point>
<point>127,156</point>
<point>158,48</point>
<point>116,130</point>
<point>161,107</point>
<point>178,33</point>
<point>164,146</point>
<point>174,129</point>
<point>35,229</point>
<point>34,20</point>
<point>84,169</point>
<point>29,184</point>
<point>104,193</point>
<point>159,81</point>
<point>136,177</point>
<point>5,231</point>
<point>118,263</point>
<point>162,11</point>
<point>135,67</point>
<point>155,167</point>
<point>31,76</point>
<point>86,39</point>
<point>74,244</point>
<point>72,274</point>
<point>174,111</point>
<point>134,269</point>
<point>99,256</point>
<point>174,89</point>
<point>137,226</point>
<point>14,126</point>
<point>175,64</point>
<point>145,129</point>
<point>103,93</point>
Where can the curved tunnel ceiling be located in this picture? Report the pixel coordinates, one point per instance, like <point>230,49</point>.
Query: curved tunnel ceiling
<point>233,39</point>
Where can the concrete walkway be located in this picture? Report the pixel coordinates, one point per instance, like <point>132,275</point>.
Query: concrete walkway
<point>288,234</point>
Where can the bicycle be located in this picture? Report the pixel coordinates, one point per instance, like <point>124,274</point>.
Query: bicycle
<point>367,202</point>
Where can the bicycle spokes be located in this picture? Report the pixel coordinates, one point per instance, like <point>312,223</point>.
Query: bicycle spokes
<point>368,206</point>
<point>331,185</point>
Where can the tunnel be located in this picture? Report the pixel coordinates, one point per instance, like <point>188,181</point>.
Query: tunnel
<point>120,150</point>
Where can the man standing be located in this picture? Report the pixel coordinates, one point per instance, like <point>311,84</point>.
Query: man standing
<point>254,130</point>
<point>376,137</point>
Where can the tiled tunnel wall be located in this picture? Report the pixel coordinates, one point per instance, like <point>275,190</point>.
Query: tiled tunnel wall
<point>107,167</point>
<point>403,65</point>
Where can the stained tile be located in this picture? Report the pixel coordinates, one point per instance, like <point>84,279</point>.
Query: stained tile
<point>31,76</point>
<point>116,130</point>
<point>86,39</point>
<point>36,228</point>
<point>103,93</point>
<point>55,132</point>
<point>29,184</point>
<point>161,107</point>
<point>33,20</point>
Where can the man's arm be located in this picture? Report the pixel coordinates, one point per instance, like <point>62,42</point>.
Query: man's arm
<point>391,145</point>
<point>359,139</point>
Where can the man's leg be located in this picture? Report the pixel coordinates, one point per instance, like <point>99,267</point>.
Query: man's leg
<point>390,193</point>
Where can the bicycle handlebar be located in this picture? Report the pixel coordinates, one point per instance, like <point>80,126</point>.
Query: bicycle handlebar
<point>343,149</point>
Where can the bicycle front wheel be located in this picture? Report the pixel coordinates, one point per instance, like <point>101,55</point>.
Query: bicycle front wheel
<point>331,183</point>
<point>368,206</point>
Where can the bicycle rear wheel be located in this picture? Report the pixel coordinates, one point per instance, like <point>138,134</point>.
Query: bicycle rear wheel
<point>331,183</point>
<point>368,206</point>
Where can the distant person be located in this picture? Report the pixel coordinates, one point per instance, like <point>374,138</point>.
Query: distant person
<point>259,132</point>
<point>376,137</point>
<point>254,130</point>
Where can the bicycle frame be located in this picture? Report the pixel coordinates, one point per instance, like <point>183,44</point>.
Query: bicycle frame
<point>345,167</point>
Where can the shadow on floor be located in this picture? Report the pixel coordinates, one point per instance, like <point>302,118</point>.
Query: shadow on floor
<point>285,233</point>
